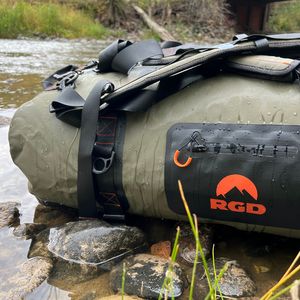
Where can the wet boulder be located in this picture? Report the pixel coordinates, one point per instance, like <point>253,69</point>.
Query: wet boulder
<point>144,276</point>
<point>236,281</point>
<point>95,242</point>
<point>18,282</point>
<point>187,244</point>
<point>9,214</point>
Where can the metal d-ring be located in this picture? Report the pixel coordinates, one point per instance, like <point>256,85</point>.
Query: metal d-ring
<point>105,161</point>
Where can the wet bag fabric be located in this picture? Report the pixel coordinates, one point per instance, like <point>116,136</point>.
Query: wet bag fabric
<point>232,139</point>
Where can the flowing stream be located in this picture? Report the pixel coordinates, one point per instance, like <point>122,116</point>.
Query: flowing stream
<point>24,64</point>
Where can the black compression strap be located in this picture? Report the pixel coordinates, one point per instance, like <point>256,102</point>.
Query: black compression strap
<point>68,106</point>
<point>89,120</point>
<point>107,55</point>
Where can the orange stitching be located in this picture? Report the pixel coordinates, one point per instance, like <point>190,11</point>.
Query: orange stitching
<point>168,51</point>
<point>277,62</point>
<point>260,68</point>
<point>104,143</point>
<point>109,199</point>
<point>112,131</point>
<point>261,76</point>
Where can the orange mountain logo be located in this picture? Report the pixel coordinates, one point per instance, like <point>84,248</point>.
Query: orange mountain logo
<point>242,186</point>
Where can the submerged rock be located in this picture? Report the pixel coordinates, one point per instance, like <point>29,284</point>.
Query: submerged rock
<point>28,230</point>
<point>119,297</point>
<point>9,214</point>
<point>4,121</point>
<point>18,282</point>
<point>54,216</point>
<point>144,276</point>
<point>236,281</point>
<point>94,242</point>
<point>187,244</point>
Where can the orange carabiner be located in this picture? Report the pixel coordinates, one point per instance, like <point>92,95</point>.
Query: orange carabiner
<point>178,163</point>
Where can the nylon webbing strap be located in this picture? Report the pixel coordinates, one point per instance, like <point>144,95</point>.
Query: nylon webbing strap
<point>85,185</point>
<point>50,81</point>
<point>68,107</point>
<point>122,56</point>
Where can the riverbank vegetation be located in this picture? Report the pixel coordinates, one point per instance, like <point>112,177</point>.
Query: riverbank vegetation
<point>19,17</point>
<point>187,20</point>
<point>95,19</point>
<point>285,17</point>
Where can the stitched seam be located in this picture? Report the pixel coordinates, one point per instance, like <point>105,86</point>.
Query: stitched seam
<point>112,131</point>
<point>189,64</point>
<point>261,76</point>
<point>109,197</point>
<point>276,62</point>
<point>263,69</point>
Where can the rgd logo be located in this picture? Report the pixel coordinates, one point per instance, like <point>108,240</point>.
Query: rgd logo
<point>239,186</point>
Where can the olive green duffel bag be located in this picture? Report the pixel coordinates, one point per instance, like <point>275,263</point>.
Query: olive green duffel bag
<point>117,135</point>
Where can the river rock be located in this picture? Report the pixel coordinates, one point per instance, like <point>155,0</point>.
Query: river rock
<point>28,230</point>
<point>187,244</point>
<point>119,297</point>
<point>9,214</point>
<point>39,245</point>
<point>95,242</point>
<point>144,276</point>
<point>4,121</point>
<point>161,249</point>
<point>236,281</point>
<point>54,216</point>
<point>260,244</point>
<point>18,282</point>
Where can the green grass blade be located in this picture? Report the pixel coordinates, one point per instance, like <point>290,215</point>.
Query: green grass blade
<point>123,280</point>
<point>170,269</point>
<point>196,236</point>
<point>194,273</point>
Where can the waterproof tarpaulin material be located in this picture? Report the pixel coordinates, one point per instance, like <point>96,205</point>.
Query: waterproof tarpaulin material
<point>229,130</point>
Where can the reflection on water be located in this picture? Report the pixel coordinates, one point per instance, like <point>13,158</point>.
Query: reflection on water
<point>13,183</point>
<point>24,64</point>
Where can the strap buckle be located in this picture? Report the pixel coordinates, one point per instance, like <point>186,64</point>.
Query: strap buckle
<point>114,219</point>
<point>106,162</point>
<point>66,79</point>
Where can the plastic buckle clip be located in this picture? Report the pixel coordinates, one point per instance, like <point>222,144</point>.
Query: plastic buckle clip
<point>114,219</point>
<point>107,162</point>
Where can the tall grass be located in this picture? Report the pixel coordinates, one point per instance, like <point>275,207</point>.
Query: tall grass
<point>50,19</point>
<point>214,287</point>
<point>285,17</point>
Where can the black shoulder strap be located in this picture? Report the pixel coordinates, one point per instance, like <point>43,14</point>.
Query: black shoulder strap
<point>122,56</point>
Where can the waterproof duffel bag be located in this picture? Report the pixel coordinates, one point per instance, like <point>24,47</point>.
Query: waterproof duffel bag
<point>117,134</point>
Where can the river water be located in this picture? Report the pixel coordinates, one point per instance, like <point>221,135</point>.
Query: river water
<point>24,64</point>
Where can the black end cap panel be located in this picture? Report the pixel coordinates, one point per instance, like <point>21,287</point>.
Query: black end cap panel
<point>243,173</point>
